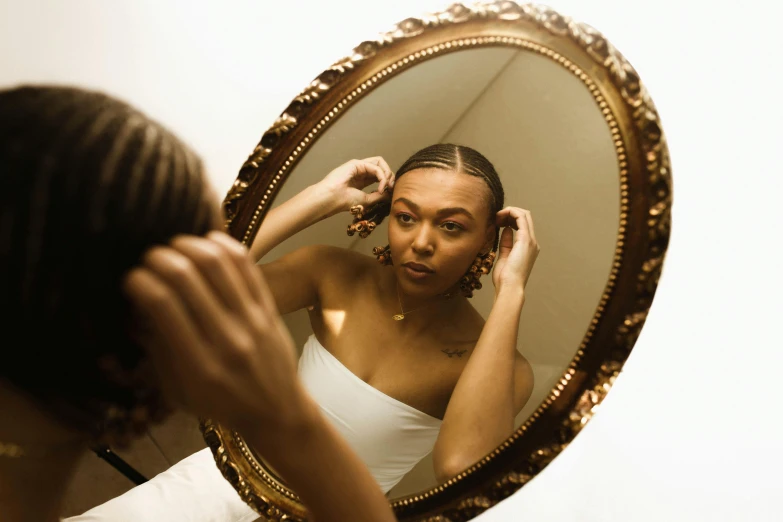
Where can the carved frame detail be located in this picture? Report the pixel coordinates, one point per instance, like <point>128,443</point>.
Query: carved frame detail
<point>643,234</point>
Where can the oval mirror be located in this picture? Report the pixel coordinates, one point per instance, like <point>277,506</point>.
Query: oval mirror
<point>451,392</point>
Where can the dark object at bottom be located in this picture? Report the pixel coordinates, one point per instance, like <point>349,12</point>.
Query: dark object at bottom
<point>119,464</point>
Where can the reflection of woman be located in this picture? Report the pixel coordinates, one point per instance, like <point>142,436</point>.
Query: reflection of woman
<point>94,198</point>
<point>400,360</point>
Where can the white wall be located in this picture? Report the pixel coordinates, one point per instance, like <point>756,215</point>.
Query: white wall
<point>691,430</point>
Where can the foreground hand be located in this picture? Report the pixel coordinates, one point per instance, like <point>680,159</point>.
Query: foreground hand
<point>345,184</point>
<point>214,334</point>
<point>517,253</point>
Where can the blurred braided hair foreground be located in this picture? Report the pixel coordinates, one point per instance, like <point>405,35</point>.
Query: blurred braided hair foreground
<point>87,184</point>
<point>449,157</point>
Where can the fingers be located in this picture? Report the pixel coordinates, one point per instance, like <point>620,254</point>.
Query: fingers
<point>366,169</point>
<point>181,275</point>
<point>240,257</point>
<point>176,347</point>
<point>504,218</point>
<point>214,262</point>
<point>388,176</point>
<point>252,278</point>
<point>517,218</point>
<point>506,242</point>
<point>268,321</point>
<point>525,224</point>
<point>251,273</point>
<point>531,229</point>
<point>204,352</point>
<point>511,217</point>
<point>520,220</point>
<point>379,161</point>
<point>374,198</point>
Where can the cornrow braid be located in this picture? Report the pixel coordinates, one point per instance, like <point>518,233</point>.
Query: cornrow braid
<point>87,184</point>
<point>445,156</point>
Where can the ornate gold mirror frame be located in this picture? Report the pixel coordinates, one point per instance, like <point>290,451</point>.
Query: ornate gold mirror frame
<point>642,233</point>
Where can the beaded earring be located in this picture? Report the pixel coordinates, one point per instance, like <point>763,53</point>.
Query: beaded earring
<point>383,254</point>
<point>363,226</point>
<point>481,265</point>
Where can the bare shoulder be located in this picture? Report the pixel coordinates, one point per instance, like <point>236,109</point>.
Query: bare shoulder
<point>523,381</point>
<point>523,367</point>
<point>335,264</point>
<point>326,256</point>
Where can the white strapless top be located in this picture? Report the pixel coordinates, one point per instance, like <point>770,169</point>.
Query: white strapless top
<point>388,435</point>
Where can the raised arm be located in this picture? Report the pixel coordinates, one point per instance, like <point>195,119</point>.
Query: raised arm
<point>497,381</point>
<point>337,192</point>
<point>221,351</point>
<point>297,279</point>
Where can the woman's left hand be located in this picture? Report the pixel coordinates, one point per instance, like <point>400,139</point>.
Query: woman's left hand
<point>517,253</point>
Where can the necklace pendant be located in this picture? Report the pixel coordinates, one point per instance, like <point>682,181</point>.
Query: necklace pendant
<point>398,317</point>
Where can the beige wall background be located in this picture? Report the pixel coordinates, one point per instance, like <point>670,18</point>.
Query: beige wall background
<point>543,132</point>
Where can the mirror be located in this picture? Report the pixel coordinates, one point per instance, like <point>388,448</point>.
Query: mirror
<point>545,135</point>
<point>574,139</point>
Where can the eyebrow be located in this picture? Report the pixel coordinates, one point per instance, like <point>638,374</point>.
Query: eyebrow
<point>441,212</point>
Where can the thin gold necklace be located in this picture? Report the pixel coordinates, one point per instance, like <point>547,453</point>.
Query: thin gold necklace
<point>400,316</point>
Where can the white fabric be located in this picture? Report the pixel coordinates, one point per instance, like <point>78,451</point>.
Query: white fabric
<point>192,490</point>
<point>388,435</point>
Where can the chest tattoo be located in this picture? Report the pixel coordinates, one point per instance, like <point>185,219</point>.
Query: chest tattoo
<point>452,353</point>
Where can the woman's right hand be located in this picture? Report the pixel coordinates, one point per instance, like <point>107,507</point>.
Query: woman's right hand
<point>222,352</point>
<point>214,335</point>
<point>345,184</point>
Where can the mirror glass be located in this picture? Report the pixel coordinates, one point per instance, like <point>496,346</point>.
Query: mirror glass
<point>540,127</point>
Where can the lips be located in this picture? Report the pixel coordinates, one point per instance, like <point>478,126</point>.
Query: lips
<point>419,267</point>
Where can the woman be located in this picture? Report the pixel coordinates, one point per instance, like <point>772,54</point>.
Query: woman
<point>128,300</point>
<point>449,383</point>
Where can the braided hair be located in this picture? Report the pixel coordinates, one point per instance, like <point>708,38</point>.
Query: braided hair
<point>450,157</point>
<point>445,156</point>
<point>87,184</point>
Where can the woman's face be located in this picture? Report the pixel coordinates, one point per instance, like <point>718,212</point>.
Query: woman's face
<point>439,223</point>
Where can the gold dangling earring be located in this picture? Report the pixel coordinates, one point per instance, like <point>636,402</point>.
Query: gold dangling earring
<point>481,265</point>
<point>383,254</point>
<point>363,226</point>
